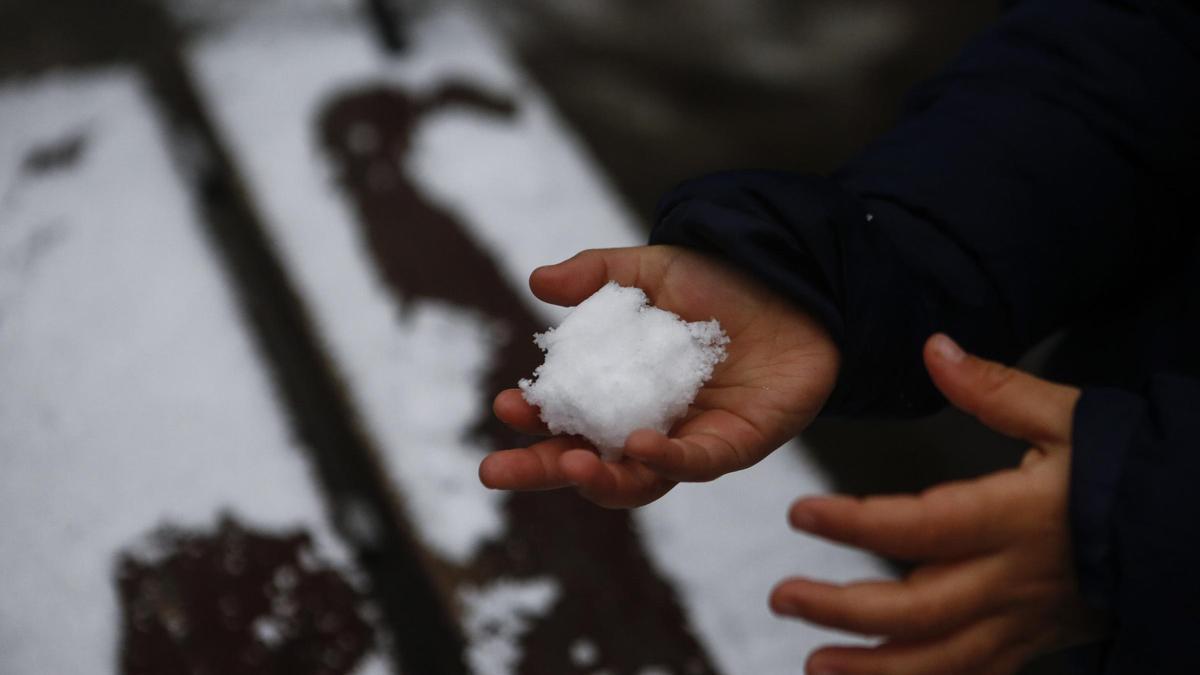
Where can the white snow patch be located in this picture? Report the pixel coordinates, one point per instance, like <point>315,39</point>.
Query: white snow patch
<point>617,364</point>
<point>583,653</point>
<point>359,522</point>
<point>130,394</point>
<point>374,664</point>
<point>442,354</point>
<point>725,544</point>
<point>269,630</point>
<point>497,615</point>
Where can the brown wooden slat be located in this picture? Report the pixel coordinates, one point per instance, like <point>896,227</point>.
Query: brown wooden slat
<point>237,602</point>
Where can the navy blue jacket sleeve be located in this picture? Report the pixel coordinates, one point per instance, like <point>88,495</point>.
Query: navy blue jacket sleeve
<point>1135,524</point>
<point>1044,172</point>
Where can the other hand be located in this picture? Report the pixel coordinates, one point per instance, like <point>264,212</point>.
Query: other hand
<point>995,583</point>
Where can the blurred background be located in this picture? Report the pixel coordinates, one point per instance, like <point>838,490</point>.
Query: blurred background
<point>262,268</point>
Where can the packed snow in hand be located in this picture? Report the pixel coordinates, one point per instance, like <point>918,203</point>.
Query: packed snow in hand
<point>617,364</point>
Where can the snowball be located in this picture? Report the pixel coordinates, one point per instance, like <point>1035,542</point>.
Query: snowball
<point>617,364</point>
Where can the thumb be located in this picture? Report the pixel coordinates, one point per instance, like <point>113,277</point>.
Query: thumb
<point>571,281</point>
<point>1005,399</point>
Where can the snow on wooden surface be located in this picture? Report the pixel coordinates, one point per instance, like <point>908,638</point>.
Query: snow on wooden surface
<point>416,381</point>
<point>496,616</point>
<point>130,395</point>
<point>727,543</point>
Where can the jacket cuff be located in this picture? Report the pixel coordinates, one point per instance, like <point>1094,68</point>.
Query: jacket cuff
<point>749,218</point>
<point>1104,426</point>
<point>746,217</point>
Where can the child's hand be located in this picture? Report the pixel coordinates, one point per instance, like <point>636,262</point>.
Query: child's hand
<point>995,585</point>
<point>780,369</point>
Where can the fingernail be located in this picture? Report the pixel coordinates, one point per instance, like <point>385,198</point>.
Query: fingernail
<point>947,349</point>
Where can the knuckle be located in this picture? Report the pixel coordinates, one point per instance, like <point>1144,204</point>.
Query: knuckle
<point>995,378</point>
<point>707,467</point>
<point>851,526</point>
<point>823,606</point>
<point>838,614</point>
<point>919,616</point>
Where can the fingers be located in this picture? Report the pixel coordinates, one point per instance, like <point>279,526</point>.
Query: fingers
<point>512,409</point>
<point>679,459</point>
<point>570,282</point>
<point>934,600</point>
<point>946,522</point>
<point>534,468</point>
<point>708,446</point>
<point>613,485</point>
<point>563,461</point>
<point>980,647</point>
<point>1005,399</point>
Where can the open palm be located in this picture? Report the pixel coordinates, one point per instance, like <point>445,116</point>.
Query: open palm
<point>780,369</point>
